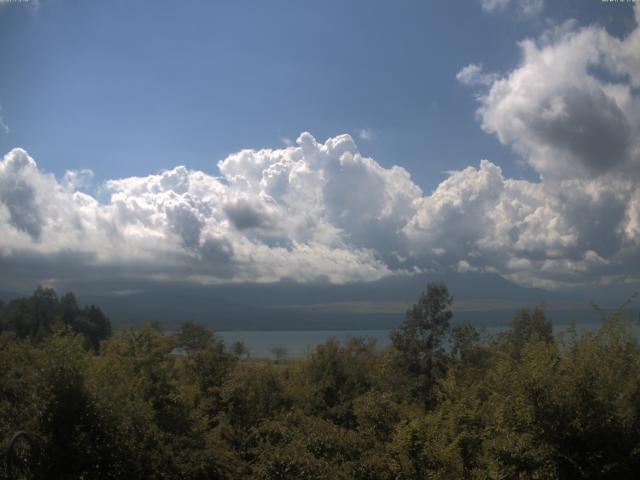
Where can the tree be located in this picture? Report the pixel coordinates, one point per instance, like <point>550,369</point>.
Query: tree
<point>32,317</point>
<point>334,375</point>
<point>279,352</point>
<point>466,342</point>
<point>211,366</point>
<point>38,316</point>
<point>253,394</point>
<point>194,336</point>
<point>90,321</point>
<point>297,446</point>
<point>76,441</point>
<point>98,326</point>
<point>240,349</point>
<point>527,326</point>
<point>44,306</point>
<point>420,339</point>
<point>69,309</point>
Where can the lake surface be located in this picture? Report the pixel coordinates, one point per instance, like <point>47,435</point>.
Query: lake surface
<point>298,343</point>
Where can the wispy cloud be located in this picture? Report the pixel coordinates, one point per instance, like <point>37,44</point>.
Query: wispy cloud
<point>524,7</point>
<point>34,4</point>
<point>365,134</point>
<point>4,128</point>
<point>473,74</point>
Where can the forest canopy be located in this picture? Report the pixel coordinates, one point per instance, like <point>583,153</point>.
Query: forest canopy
<point>442,401</point>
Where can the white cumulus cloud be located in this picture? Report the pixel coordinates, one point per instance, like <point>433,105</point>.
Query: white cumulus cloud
<point>572,111</point>
<point>572,108</point>
<point>274,214</point>
<point>316,212</point>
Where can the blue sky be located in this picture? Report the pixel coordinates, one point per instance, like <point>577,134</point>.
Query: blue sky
<point>490,136</point>
<point>129,88</point>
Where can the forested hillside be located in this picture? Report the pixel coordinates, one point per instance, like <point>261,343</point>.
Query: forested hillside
<point>441,402</point>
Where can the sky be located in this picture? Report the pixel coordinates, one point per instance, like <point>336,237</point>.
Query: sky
<point>333,142</point>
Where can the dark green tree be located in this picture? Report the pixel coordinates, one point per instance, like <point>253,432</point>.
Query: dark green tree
<point>466,343</point>
<point>89,321</point>
<point>527,326</point>
<point>240,349</point>
<point>193,336</point>
<point>420,341</point>
<point>32,317</point>
<point>334,376</point>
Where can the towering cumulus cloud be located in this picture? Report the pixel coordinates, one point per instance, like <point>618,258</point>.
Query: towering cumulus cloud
<point>322,212</point>
<point>572,111</point>
<point>310,212</point>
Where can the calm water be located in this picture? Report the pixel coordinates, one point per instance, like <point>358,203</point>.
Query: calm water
<point>299,343</point>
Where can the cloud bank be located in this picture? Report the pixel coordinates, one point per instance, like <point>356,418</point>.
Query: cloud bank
<point>322,212</point>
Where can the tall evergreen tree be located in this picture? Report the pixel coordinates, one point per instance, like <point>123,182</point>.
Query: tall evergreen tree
<point>420,339</point>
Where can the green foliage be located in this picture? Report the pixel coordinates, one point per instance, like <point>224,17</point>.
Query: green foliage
<point>334,376</point>
<point>466,343</point>
<point>377,415</point>
<point>420,341</point>
<point>38,316</point>
<point>252,395</point>
<point>524,405</point>
<point>193,336</point>
<point>527,326</point>
<point>300,446</point>
<point>19,405</point>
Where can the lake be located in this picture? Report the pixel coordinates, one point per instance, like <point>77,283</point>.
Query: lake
<point>298,343</point>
